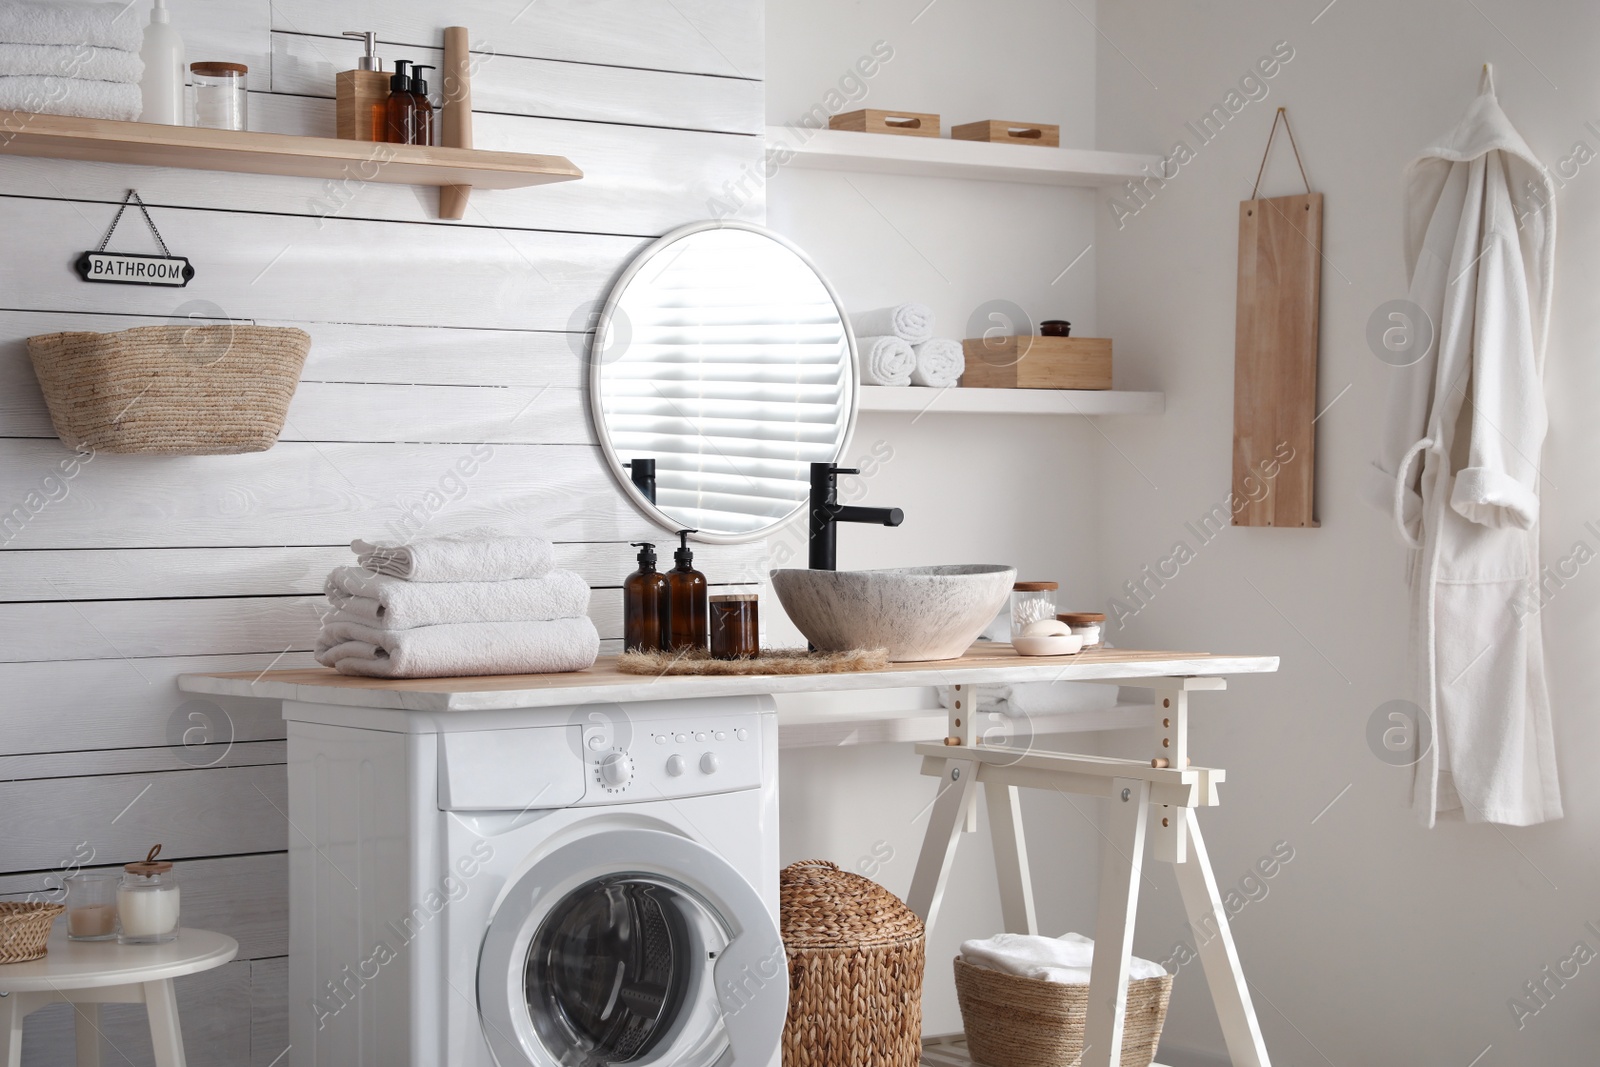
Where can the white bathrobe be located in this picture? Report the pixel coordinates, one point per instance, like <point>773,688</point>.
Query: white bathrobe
<point>1480,245</point>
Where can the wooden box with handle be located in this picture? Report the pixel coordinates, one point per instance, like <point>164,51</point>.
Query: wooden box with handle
<point>871,120</point>
<point>997,131</point>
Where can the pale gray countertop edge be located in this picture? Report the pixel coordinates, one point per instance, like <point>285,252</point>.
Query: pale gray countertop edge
<point>690,687</point>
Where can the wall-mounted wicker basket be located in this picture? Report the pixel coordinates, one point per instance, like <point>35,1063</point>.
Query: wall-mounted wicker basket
<point>171,390</point>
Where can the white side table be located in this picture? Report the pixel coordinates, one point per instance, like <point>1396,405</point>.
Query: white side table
<point>88,974</point>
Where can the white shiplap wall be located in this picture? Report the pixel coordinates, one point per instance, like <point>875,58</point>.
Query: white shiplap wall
<point>431,341</point>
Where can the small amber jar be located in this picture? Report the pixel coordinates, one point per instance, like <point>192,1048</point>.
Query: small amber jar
<point>735,626</point>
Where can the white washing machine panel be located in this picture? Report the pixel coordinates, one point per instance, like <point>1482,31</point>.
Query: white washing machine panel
<point>472,889</point>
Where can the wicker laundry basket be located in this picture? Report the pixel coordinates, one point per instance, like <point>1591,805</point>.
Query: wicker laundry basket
<point>171,390</point>
<point>1012,1021</point>
<point>24,929</point>
<point>855,970</point>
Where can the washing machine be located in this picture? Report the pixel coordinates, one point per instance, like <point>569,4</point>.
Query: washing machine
<point>540,887</point>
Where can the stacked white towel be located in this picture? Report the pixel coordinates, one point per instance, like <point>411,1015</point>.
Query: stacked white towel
<point>75,59</point>
<point>912,323</point>
<point>940,363</point>
<point>885,360</point>
<point>466,604</point>
<point>1066,959</point>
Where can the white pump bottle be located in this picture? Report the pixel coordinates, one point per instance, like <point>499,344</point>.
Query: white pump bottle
<point>164,70</point>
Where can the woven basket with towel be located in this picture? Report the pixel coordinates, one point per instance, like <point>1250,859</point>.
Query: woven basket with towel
<point>1024,1002</point>
<point>171,390</point>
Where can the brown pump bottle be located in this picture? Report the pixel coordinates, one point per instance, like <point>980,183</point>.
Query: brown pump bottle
<point>646,605</point>
<point>399,113</point>
<point>690,623</point>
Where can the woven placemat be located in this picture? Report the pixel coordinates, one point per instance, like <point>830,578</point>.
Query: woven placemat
<point>776,661</point>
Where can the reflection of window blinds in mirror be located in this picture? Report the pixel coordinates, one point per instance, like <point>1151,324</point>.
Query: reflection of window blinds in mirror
<point>726,363</point>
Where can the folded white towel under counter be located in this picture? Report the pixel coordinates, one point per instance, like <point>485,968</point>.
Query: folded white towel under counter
<point>72,97</point>
<point>1066,959</point>
<point>458,649</point>
<point>912,323</point>
<point>65,22</point>
<point>473,556</point>
<point>885,360</point>
<point>394,603</point>
<point>940,363</point>
<point>70,61</point>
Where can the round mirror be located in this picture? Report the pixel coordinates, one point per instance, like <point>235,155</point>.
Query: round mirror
<point>722,367</point>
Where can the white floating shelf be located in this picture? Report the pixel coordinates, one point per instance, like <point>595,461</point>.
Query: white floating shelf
<point>1011,401</point>
<point>946,157</point>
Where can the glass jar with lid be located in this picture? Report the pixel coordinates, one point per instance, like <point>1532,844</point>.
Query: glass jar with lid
<point>221,99</point>
<point>1032,602</point>
<point>147,902</point>
<point>1090,625</point>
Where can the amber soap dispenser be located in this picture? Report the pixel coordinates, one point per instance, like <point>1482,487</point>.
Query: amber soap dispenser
<point>646,605</point>
<point>690,629</point>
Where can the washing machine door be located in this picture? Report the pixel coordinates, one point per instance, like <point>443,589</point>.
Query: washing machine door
<point>632,947</point>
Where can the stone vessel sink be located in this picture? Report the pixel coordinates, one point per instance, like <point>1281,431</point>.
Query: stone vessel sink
<point>917,613</point>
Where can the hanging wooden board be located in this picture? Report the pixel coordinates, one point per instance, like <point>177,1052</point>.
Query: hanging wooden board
<point>1275,361</point>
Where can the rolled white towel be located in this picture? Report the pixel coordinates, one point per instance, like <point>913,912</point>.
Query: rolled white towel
<point>940,363</point>
<point>73,97</point>
<point>386,602</point>
<point>473,556</point>
<point>459,649</point>
<point>65,22</point>
<point>70,61</point>
<point>1066,959</point>
<point>912,323</point>
<point>885,360</point>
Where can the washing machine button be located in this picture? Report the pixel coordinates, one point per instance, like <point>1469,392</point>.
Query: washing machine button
<point>701,736</point>
<point>742,734</point>
<point>722,735</point>
<point>676,765</point>
<point>683,739</point>
<point>709,763</point>
<point>661,739</point>
<point>597,741</point>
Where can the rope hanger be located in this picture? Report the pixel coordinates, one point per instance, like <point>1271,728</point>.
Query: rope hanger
<point>1283,113</point>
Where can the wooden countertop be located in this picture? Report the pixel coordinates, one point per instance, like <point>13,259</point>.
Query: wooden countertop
<point>984,663</point>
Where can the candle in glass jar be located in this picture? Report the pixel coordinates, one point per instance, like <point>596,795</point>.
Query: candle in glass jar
<point>148,913</point>
<point>92,921</point>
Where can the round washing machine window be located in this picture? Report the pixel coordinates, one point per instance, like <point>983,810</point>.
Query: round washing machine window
<point>612,965</point>
<point>632,946</point>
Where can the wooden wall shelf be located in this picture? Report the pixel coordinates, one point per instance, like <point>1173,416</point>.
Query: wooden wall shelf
<point>149,145</point>
<point>945,157</point>
<point>1011,401</point>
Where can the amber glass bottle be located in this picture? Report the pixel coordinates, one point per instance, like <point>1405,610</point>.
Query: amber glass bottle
<point>398,110</point>
<point>421,106</point>
<point>646,605</point>
<point>689,625</point>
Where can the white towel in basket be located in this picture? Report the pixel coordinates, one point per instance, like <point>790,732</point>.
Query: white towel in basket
<point>1066,959</point>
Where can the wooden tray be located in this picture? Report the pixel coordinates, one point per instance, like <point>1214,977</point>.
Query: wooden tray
<point>998,131</point>
<point>1037,362</point>
<point>871,120</point>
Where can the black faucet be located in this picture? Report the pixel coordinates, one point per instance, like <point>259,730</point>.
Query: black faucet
<point>643,472</point>
<point>826,511</point>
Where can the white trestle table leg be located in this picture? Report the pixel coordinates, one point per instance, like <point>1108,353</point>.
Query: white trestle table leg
<point>1121,867</point>
<point>1209,921</point>
<point>1011,858</point>
<point>956,797</point>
